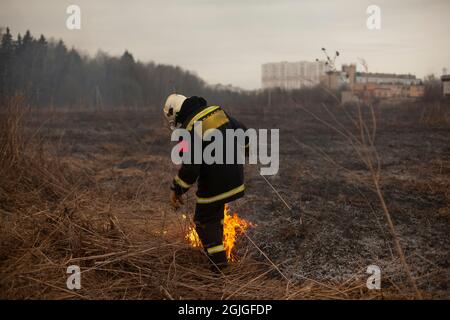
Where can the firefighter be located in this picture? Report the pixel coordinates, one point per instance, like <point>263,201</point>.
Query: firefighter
<point>217,184</point>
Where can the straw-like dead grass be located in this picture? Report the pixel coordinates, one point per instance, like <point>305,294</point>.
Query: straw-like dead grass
<point>53,217</point>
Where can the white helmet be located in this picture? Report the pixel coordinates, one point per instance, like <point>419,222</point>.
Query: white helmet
<point>172,107</point>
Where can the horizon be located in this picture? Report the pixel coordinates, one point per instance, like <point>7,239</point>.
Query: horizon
<point>245,35</point>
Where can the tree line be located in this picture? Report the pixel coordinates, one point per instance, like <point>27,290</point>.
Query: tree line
<point>47,73</point>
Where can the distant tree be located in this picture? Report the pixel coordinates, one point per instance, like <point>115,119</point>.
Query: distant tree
<point>6,59</point>
<point>27,39</point>
<point>47,73</point>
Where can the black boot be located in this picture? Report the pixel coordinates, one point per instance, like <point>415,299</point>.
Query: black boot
<point>219,261</point>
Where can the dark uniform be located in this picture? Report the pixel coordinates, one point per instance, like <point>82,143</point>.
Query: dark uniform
<point>217,183</point>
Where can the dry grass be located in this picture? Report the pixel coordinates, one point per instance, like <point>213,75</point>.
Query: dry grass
<point>361,137</point>
<point>363,144</point>
<point>436,114</point>
<point>53,217</point>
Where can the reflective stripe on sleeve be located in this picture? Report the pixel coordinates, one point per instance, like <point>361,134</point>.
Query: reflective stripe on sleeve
<point>182,183</point>
<point>222,196</point>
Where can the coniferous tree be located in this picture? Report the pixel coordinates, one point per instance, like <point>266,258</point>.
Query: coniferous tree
<point>47,73</point>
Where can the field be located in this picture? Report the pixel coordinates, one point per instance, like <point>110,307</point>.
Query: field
<point>91,188</point>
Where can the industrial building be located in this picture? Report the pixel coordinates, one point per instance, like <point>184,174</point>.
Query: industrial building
<point>292,75</point>
<point>357,85</point>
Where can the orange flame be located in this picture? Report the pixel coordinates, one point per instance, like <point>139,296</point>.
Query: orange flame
<point>232,227</point>
<point>192,238</point>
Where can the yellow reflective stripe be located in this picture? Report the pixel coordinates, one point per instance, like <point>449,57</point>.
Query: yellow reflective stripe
<point>182,183</point>
<point>216,249</point>
<point>222,195</point>
<point>216,120</point>
<point>200,115</point>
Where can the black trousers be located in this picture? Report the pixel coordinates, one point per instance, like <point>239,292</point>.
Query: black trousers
<point>208,220</point>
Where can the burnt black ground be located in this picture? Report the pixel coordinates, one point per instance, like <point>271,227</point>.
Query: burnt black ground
<point>344,229</point>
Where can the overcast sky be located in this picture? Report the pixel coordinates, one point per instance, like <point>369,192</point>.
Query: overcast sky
<point>227,41</point>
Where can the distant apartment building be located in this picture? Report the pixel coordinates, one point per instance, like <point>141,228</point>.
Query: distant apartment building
<point>292,75</point>
<point>357,85</point>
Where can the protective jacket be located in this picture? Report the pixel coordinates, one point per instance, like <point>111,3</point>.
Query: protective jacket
<point>217,182</point>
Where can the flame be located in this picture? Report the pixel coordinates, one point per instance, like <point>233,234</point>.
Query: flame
<point>232,227</point>
<point>192,238</point>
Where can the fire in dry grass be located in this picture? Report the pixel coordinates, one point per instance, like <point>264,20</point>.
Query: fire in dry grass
<point>232,227</point>
<point>192,238</point>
